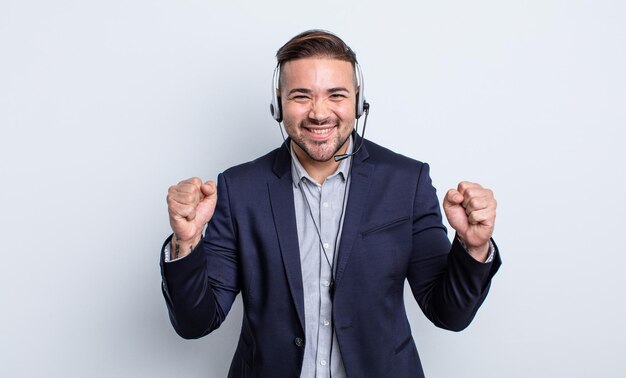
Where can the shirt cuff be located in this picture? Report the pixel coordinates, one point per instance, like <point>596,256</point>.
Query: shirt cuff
<point>167,254</point>
<point>492,250</point>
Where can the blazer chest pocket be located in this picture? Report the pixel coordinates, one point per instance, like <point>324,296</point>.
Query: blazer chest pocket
<point>382,248</point>
<point>384,227</point>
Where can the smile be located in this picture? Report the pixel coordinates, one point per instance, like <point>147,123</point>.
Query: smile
<point>320,131</point>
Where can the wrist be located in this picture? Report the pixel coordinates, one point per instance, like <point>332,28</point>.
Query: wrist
<point>183,247</point>
<point>479,253</point>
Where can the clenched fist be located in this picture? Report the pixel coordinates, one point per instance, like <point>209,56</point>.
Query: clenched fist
<point>190,205</point>
<point>471,211</point>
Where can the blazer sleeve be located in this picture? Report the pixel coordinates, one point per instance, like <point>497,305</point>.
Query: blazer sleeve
<point>199,289</point>
<point>447,282</point>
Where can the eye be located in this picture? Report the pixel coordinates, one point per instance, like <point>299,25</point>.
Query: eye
<point>338,96</point>
<point>300,98</point>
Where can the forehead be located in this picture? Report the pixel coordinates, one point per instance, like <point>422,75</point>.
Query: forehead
<point>317,72</point>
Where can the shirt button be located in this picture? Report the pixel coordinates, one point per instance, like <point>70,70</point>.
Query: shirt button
<point>299,342</point>
<point>326,245</point>
<point>326,283</point>
<point>325,204</point>
<point>326,322</point>
<point>323,362</point>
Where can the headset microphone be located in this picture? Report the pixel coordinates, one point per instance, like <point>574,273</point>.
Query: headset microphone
<point>366,110</point>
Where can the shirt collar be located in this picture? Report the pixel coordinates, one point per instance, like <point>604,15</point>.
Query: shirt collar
<point>298,172</point>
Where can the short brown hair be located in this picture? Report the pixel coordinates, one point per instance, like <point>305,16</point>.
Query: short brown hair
<point>315,43</point>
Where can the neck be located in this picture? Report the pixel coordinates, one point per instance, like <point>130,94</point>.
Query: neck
<point>319,170</point>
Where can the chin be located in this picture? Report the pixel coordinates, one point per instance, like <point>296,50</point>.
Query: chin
<point>320,157</point>
<point>322,152</point>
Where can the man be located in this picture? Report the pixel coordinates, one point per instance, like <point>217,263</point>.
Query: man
<point>320,235</point>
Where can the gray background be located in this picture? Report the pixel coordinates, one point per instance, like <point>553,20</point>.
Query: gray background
<point>104,104</point>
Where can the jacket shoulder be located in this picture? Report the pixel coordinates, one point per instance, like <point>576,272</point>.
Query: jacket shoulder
<point>261,167</point>
<point>382,155</point>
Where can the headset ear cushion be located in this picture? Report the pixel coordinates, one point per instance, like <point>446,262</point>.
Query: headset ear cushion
<point>360,98</point>
<point>279,106</point>
<point>276,109</point>
<point>275,106</point>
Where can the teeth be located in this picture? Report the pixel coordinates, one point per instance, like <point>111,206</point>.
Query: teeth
<point>319,131</point>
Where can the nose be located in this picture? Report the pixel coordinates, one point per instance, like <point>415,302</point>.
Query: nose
<point>320,111</point>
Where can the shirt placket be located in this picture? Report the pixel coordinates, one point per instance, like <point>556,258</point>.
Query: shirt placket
<point>327,227</point>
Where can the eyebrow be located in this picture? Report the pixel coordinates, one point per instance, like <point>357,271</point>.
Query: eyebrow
<point>308,91</point>
<point>338,89</point>
<point>299,90</point>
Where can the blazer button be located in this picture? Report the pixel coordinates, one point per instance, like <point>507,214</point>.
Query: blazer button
<point>299,342</point>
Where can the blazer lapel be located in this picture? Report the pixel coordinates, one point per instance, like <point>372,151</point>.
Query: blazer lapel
<point>283,209</point>
<point>357,199</point>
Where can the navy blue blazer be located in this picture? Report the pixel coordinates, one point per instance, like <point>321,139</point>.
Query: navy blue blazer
<point>392,232</point>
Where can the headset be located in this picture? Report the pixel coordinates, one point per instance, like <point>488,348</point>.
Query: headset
<point>276,108</point>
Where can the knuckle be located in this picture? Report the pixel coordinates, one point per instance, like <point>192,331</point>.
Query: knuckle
<point>476,217</point>
<point>171,191</point>
<point>172,197</point>
<point>182,198</point>
<point>183,188</point>
<point>474,202</point>
<point>189,181</point>
<point>192,188</point>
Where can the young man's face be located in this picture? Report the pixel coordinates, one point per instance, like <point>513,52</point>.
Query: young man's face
<point>318,101</point>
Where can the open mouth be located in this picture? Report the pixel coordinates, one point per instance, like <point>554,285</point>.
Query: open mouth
<point>320,132</point>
